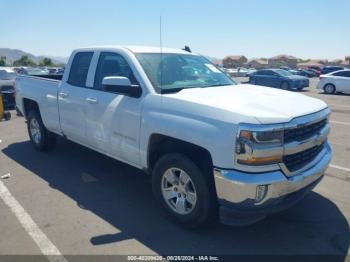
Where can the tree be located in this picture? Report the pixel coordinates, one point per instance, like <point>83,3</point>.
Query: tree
<point>2,62</point>
<point>46,62</point>
<point>24,61</point>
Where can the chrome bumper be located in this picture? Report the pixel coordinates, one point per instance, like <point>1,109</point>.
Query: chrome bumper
<point>263,193</point>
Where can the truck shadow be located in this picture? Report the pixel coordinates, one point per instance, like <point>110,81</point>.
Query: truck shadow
<point>122,196</point>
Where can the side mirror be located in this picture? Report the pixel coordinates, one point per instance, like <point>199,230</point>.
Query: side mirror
<point>121,85</point>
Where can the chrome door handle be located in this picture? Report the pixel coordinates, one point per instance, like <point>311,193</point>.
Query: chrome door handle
<point>63,95</point>
<point>91,100</point>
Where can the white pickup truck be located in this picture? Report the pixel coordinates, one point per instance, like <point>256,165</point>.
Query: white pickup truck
<point>215,149</point>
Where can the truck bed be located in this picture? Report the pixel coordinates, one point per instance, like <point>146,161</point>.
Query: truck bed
<point>53,77</point>
<point>43,90</point>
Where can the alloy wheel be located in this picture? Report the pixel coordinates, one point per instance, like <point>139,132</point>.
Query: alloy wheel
<point>178,191</point>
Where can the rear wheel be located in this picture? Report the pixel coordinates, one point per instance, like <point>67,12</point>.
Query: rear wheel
<point>183,191</point>
<point>329,89</point>
<point>42,139</point>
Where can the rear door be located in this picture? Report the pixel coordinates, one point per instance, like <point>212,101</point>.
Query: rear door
<point>260,77</point>
<point>72,97</point>
<point>274,79</point>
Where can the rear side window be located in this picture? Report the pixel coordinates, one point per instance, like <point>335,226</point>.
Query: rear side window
<point>260,73</point>
<point>80,68</point>
<point>269,73</point>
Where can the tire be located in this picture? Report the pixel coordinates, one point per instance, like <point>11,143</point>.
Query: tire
<point>329,89</point>
<point>285,85</point>
<point>7,115</point>
<point>42,139</point>
<point>192,211</point>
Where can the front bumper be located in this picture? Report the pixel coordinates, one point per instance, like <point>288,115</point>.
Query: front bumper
<point>245,198</point>
<point>300,84</point>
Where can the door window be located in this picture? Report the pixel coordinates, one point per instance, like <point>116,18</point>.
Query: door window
<point>112,64</point>
<point>80,68</point>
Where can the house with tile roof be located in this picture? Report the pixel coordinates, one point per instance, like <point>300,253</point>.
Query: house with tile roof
<point>234,61</point>
<point>283,60</point>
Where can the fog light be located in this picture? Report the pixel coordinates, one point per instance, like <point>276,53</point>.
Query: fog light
<point>261,192</point>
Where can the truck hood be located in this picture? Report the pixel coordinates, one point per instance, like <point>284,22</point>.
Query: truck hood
<point>266,105</point>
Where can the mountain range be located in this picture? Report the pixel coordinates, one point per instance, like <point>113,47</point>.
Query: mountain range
<point>15,54</point>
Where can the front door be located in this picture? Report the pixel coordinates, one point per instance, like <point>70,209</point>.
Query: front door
<point>113,120</point>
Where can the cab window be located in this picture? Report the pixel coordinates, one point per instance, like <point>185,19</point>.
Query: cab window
<point>112,64</point>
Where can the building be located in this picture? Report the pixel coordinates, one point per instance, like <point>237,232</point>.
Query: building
<point>258,63</point>
<point>311,63</point>
<point>335,62</point>
<point>346,61</point>
<point>217,62</point>
<point>234,61</point>
<point>283,60</point>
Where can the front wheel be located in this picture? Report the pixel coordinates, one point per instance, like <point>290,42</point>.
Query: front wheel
<point>285,85</point>
<point>183,190</point>
<point>42,139</point>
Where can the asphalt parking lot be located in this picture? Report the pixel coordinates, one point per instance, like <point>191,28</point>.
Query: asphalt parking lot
<point>83,203</point>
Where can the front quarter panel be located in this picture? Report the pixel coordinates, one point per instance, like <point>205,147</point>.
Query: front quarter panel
<point>176,120</point>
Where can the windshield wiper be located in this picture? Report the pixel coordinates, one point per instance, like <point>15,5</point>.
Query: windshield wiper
<point>218,85</point>
<point>171,90</point>
<point>176,90</point>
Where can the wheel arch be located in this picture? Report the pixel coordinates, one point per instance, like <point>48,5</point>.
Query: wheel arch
<point>29,105</point>
<point>159,145</point>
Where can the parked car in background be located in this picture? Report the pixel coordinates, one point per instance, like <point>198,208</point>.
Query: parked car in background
<point>60,71</point>
<point>338,81</point>
<point>317,68</point>
<point>237,72</point>
<point>52,71</point>
<point>304,72</point>
<point>317,72</point>
<point>286,68</point>
<point>330,69</point>
<point>251,71</point>
<point>278,78</point>
<point>31,71</point>
<point>7,89</point>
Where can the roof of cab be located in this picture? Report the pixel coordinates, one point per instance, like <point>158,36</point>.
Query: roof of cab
<point>138,49</point>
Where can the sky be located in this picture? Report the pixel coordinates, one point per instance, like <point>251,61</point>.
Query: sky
<point>254,28</point>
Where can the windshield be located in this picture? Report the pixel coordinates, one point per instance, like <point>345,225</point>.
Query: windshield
<point>173,72</point>
<point>283,72</point>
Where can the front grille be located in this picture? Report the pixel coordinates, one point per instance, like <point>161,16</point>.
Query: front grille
<point>304,132</point>
<point>299,160</point>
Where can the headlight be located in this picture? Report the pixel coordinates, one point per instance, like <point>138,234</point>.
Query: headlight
<point>256,148</point>
<point>263,137</point>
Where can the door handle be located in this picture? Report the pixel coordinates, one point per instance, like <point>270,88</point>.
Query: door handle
<point>91,100</point>
<point>63,95</point>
